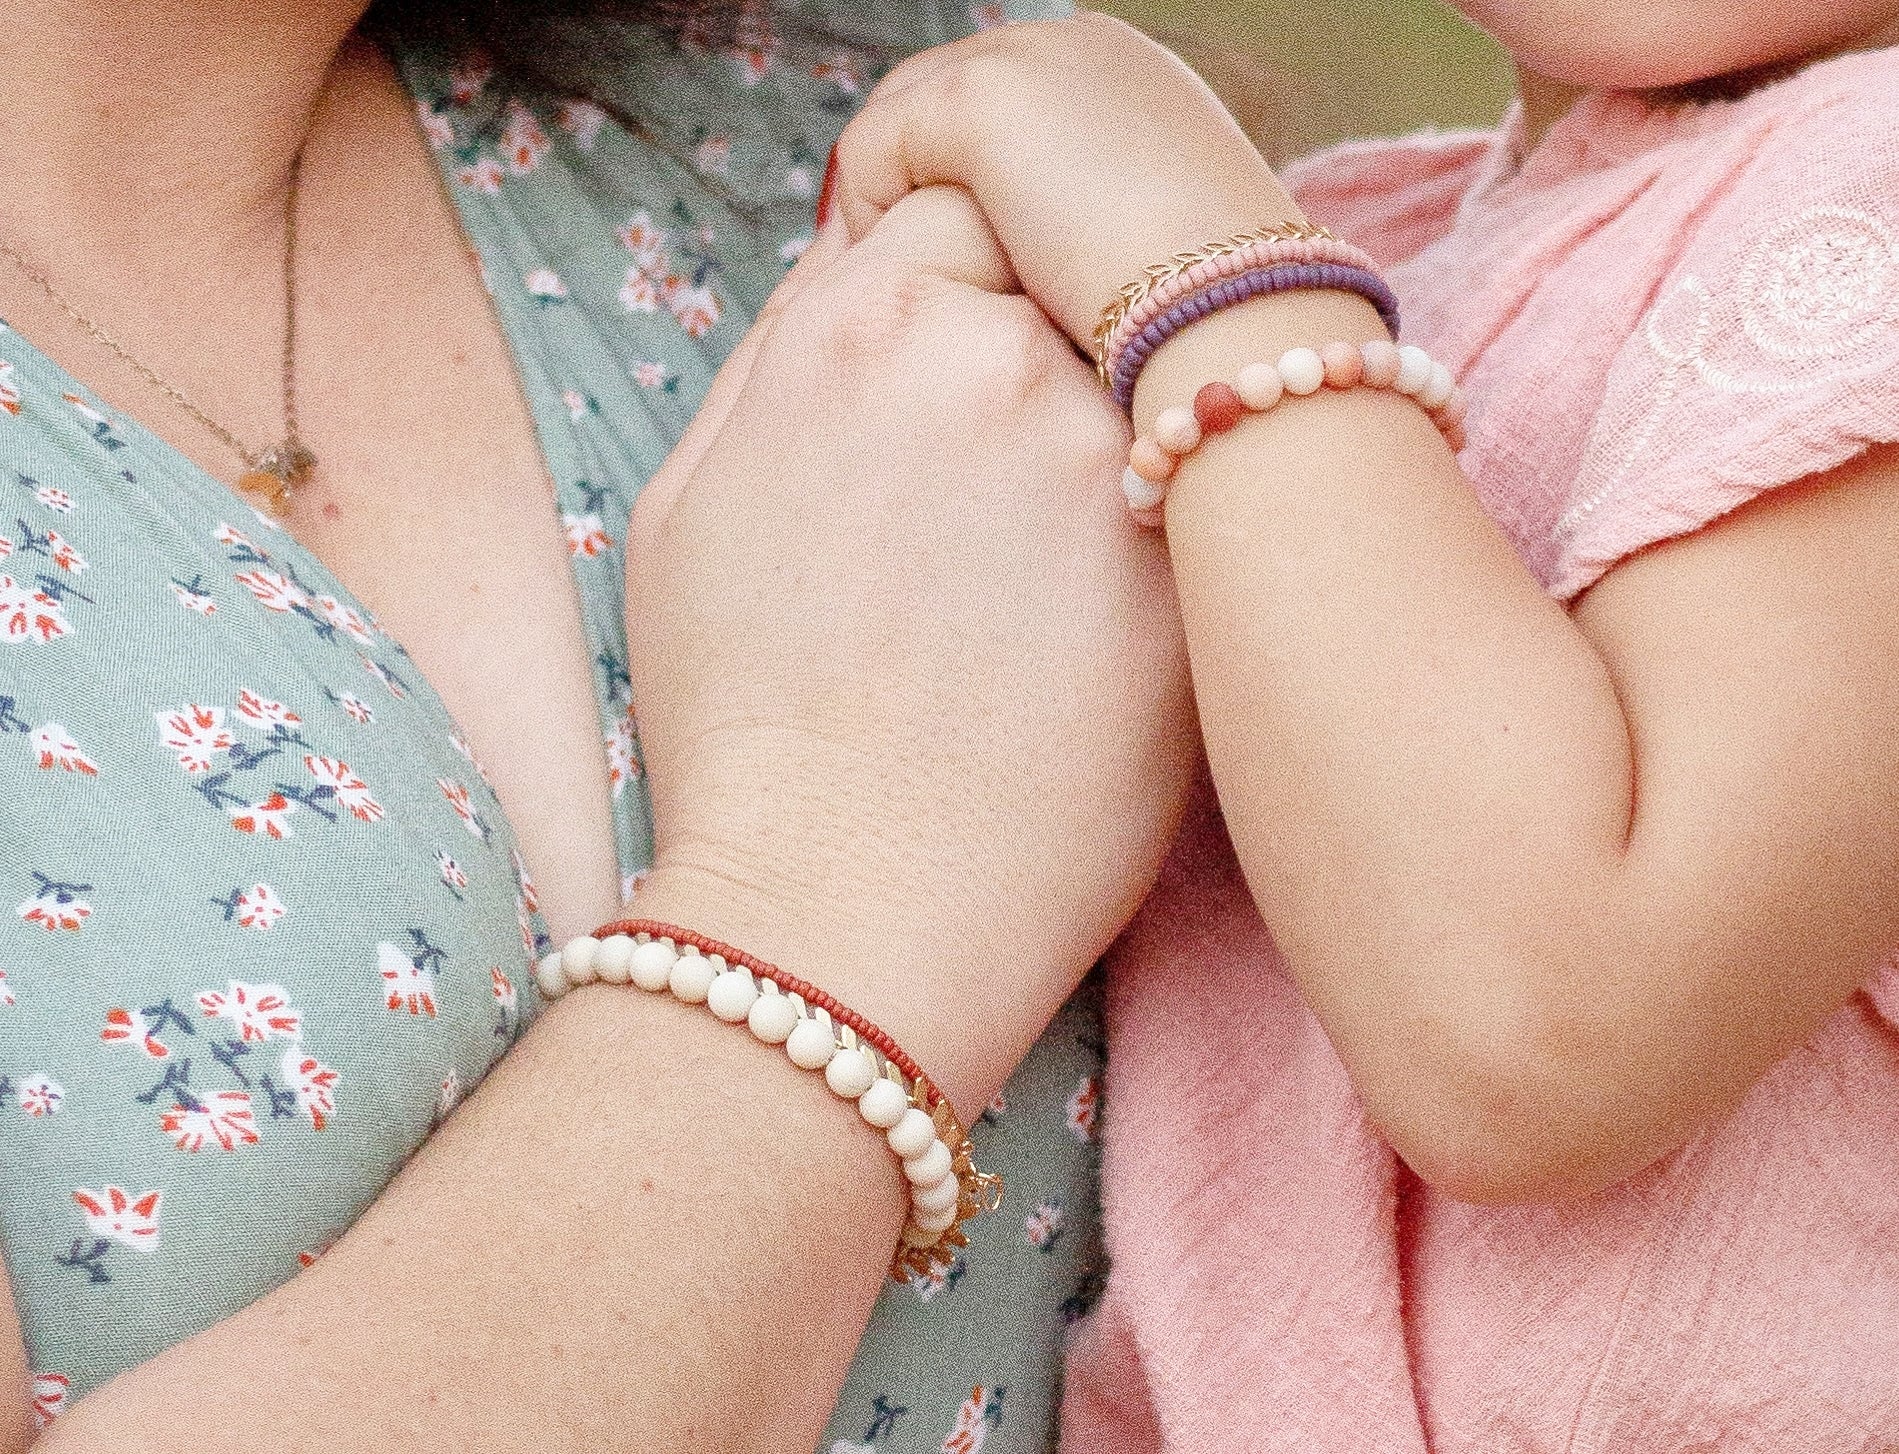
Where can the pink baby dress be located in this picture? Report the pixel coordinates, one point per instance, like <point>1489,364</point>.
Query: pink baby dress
<point>1660,312</point>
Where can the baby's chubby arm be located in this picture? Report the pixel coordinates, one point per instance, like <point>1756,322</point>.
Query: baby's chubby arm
<point>1561,885</point>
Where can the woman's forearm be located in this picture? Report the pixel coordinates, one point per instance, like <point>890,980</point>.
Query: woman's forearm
<point>643,1231</point>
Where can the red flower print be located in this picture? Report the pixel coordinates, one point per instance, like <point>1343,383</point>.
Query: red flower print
<point>1044,1225</point>
<point>28,615</point>
<point>6,990</point>
<point>64,555</point>
<point>505,994</point>
<point>639,293</point>
<point>458,799</point>
<point>382,674</point>
<point>58,750</point>
<point>351,791</point>
<point>586,535</point>
<point>980,1412</point>
<point>263,713</point>
<point>581,120</point>
<point>346,619</point>
<point>197,734</point>
<point>224,1119</point>
<point>356,708</point>
<point>9,390</point>
<point>623,764</point>
<point>523,141</point>
<point>49,1397</point>
<point>115,1213</point>
<point>407,985</point>
<point>469,80</point>
<point>235,539</point>
<point>274,592</point>
<point>269,817</point>
<point>1084,1107</point>
<point>314,1084</point>
<point>259,907</point>
<point>310,1256</point>
<point>41,1095</point>
<point>130,1027</point>
<point>483,175</point>
<point>753,65</point>
<point>530,896</point>
<point>256,1011</point>
<point>55,499</point>
<point>6,547</point>
<point>56,907</point>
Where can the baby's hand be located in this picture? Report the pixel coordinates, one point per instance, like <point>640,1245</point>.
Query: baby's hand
<point>1093,151</point>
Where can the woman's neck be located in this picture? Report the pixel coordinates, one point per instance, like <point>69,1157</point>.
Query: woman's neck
<point>159,125</point>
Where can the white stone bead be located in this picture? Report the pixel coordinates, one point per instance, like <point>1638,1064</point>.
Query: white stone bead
<point>811,1045</point>
<point>929,1168</point>
<point>551,978</point>
<point>940,1220</point>
<point>773,1018</point>
<point>652,965</point>
<point>692,976</point>
<point>1414,369</point>
<point>613,960</point>
<point>883,1104</point>
<point>732,996</point>
<point>912,1135</point>
<point>915,1236</point>
<point>1177,431</point>
<point>1142,494</point>
<point>945,1193</point>
<point>850,1073</point>
<point>1259,386</point>
<point>576,960</point>
<point>1302,370</point>
<point>1438,389</point>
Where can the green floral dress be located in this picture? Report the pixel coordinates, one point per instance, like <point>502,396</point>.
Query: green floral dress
<point>262,921</point>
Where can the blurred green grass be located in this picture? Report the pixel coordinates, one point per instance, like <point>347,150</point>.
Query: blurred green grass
<point>1301,73</point>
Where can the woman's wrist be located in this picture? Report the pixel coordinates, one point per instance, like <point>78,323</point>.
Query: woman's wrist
<point>906,988</point>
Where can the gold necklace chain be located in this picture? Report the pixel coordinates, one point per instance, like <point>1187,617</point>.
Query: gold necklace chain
<point>271,473</point>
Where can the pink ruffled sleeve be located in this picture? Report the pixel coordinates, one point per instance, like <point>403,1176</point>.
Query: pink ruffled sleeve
<point>1771,351</point>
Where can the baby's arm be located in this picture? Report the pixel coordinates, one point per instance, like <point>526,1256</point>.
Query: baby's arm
<point>1560,885</point>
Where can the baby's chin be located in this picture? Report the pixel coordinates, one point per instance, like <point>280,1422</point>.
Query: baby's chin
<point>1649,44</point>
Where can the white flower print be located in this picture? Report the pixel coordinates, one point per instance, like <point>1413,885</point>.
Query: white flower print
<point>194,600</point>
<point>256,1011</point>
<point>382,674</point>
<point>269,816</point>
<point>345,619</point>
<point>581,120</point>
<point>263,713</point>
<point>646,240</point>
<point>523,141</point>
<point>351,791</point>
<point>437,128</point>
<point>6,547</point>
<point>530,896</point>
<point>799,182</point>
<point>65,555</point>
<point>274,592</point>
<point>544,285</point>
<point>114,1213</point>
<point>483,175</point>
<point>622,764</point>
<point>586,535</point>
<point>506,996</point>
<point>51,497</point>
<point>9,390</point>
<point>6,990</point>
<point>56,749</point>
<point>407,985</point>
<point>458,799</point>
<point>28,614</point>
<point>697,309</point>
<point>41,1095</point>
<point>795,248</point>
<point>49,1398</point>
<point>1044,1225</point>
<point>1084,1108</point>
<point>469,80</point>
<point>449,1097</point>
<point>57,906</point>
<point>639,293</point>
<point>355,707</point>
<point>130,1027</point>
<point>223,1119</point>
<point>840,71</point>
<point>259,907</point>
<point>312,1082</point>
<point>197,734</point>
<point>460,744</point>
<point>714,155</point>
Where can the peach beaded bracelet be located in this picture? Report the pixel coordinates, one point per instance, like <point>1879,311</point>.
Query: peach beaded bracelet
<point>859,1062</point>
<point>1178,431</point>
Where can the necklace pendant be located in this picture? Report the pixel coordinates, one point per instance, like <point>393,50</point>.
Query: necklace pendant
<point>275,473</point>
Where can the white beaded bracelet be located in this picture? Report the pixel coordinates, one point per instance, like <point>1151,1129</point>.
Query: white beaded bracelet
<point>859,1062</point>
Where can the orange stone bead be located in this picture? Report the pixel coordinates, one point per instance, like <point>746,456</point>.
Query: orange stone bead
<point>1217,408</point>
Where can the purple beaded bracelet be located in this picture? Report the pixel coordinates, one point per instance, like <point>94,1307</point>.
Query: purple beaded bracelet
<point>1254,283</point>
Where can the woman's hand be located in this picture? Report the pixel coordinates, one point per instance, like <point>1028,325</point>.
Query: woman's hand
<point>1092,150</point>
<point>912,695</point>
